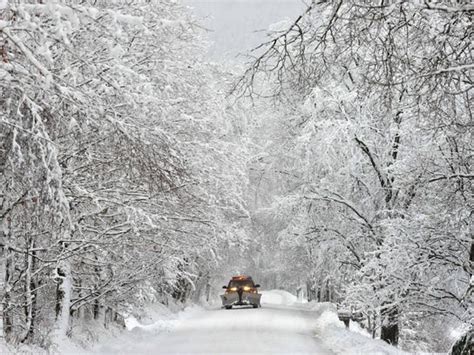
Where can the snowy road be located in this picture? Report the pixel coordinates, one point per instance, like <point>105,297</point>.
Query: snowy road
<point>281,326</point>
<point>272,329</point>
<point>253,331</point>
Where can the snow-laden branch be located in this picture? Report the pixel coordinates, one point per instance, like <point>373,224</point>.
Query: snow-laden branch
<point>452,177</point>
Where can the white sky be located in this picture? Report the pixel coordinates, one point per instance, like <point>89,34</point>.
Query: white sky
<point>238,25</point>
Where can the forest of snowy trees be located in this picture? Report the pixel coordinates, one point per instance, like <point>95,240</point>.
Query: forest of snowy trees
<point>338,162</point>
<point>366,170</point>
<point>118,162</point>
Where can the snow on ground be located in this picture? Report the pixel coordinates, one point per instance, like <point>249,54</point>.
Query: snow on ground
<point>23,350</point>
<point>278,297</point>
<point>274,328</point>
<point>336,337</point>
<point>282,325</point>
<point>330,330</point>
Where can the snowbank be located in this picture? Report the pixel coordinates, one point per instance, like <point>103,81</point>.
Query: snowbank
<point>156,319</point>
<point>3,348</point>
<point>278,297</point>
<point>333,334</point>
<point>22,349</point>
<point>154,313</point>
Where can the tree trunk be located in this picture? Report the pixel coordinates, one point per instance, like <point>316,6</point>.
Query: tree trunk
<point>371,323</point>
<point>108,316</point>
<point>390,329</point>
<point>6,306</point>
<point>471,257</point>
<point>63,298</point>
<point>30,297</point>
<point>208,290</point>
<point>96,309</point>
<point>310,291</point>
<point>328,291</point>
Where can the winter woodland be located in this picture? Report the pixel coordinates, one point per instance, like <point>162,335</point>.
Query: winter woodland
<point>337,163</point>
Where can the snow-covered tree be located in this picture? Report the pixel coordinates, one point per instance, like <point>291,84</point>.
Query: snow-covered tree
<point>381,138</point>
<point>117,162</point>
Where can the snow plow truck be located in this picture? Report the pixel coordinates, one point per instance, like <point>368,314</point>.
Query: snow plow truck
<point>241,291</point>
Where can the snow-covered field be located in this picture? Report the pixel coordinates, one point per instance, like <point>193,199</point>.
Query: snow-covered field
<point>282,325</point>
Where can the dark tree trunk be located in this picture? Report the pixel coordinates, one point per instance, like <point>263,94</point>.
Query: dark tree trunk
<point>390,330</point>
<point>208,290</point>
<point>96,309</point>
<point>7,319</point>
<point>181,289</point>
<point>59,294</point>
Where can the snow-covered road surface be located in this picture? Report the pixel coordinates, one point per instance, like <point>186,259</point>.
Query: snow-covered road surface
<point>272,329</point>
<point>281,326</point>
<point>267,330</point>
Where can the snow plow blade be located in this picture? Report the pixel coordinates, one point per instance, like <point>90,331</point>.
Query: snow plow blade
<point>244,299</point>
